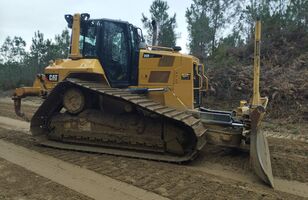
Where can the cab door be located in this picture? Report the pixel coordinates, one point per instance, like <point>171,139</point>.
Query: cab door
<point>115,53</point>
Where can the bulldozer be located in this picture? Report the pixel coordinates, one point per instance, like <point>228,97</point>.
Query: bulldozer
<point>116,95</point>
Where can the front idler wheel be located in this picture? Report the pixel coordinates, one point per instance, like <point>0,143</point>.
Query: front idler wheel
<point>74,100</point>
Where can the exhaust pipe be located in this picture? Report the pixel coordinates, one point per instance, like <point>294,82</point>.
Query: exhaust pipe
<point>155,33</point>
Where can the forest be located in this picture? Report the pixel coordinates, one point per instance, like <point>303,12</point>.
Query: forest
<point>221,35</point>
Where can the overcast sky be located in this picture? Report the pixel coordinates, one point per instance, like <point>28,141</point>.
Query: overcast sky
<point>24,17</point>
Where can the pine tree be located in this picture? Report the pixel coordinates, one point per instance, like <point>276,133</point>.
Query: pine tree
<point>19,67</point>
<point>13,50</point>
<point>62,43</point>
<point>205,21</point>
<point>166,35</point>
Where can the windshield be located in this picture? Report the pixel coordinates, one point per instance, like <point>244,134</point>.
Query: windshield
<point>92,32</point>
<point>87,40</point>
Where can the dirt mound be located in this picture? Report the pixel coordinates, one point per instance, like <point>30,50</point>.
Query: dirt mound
<point>286,86</point>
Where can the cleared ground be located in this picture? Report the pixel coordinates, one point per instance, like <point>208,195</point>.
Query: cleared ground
<point>218,173</point>
<point>74,177</point>
<point>19,183</point>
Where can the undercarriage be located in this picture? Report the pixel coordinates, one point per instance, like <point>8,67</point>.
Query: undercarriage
<point>87,113</point>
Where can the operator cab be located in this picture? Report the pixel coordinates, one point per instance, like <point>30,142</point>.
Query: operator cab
<point>114,43</point>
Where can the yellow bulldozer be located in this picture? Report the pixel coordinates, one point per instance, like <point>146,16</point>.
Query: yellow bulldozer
<point>116,95</point>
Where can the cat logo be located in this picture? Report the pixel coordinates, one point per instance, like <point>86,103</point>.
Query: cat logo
<point>52,77</point>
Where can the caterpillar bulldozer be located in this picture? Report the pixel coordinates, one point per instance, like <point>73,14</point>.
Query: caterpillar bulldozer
<point>116,95</point>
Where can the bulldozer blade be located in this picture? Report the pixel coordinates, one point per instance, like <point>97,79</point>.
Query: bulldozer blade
<point>259,151</point>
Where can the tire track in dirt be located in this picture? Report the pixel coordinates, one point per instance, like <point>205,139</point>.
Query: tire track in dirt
<point>7,109</point>
<point>84,181</point>
<point>300,138</point>
<point>170,180</point>
<point>14,124</point>
<point>284,185</point>
<point>19,183</point>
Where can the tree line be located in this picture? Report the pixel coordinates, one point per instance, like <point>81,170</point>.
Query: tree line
<point>221,33</point>
<point>19,67</point>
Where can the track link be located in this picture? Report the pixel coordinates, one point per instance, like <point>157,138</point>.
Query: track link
<point>41,120</point>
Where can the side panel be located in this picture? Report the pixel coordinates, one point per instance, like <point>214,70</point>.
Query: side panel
<point>183,84</point>
<point>171,70</point>
<point>154,71</point>
<point>62,68</point>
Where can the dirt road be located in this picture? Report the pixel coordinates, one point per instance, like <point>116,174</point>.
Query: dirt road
<point>217,174</point>
<point>19,183</point>
<point>87,182</point>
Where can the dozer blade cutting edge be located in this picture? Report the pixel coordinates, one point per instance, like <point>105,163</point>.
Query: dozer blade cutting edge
<point>259,151</point>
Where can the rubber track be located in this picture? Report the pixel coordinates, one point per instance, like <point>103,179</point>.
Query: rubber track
<point>143,102</point>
